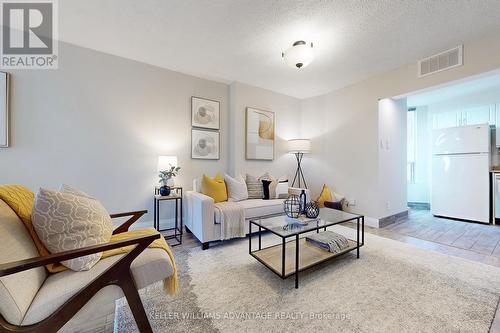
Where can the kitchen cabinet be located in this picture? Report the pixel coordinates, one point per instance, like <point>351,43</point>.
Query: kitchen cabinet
<point>446,119</point>
<point>478,115</point>
<point>486,114</point>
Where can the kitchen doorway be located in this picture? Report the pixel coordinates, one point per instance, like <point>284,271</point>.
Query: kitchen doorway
<point>451,148</point>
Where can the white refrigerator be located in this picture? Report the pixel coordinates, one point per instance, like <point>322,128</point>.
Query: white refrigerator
<point>460,173</point>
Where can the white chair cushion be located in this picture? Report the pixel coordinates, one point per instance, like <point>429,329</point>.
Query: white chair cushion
<point>17,290</point>
<point>150,266</point>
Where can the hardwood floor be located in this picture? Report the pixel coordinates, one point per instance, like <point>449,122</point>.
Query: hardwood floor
<point>473,241</point>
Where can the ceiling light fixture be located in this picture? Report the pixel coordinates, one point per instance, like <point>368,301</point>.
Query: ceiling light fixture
<point>299,55</point>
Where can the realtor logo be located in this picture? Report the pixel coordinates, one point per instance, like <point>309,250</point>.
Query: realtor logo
<point>29,34</point>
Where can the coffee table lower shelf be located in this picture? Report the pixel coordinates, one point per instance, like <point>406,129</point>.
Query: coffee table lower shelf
<point>310,255</point>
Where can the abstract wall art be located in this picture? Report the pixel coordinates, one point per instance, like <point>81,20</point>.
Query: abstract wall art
<point>204,144</point>
<point>205,113</point>
<point>260,126</point>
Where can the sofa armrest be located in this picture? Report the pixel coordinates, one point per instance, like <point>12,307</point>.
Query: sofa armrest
<point>200,215</point>
<point>298,191</point>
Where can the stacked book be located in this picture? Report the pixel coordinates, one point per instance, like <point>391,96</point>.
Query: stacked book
<point>329,241</point>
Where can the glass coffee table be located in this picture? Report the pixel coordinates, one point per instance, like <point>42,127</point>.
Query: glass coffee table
<point>294,254</point>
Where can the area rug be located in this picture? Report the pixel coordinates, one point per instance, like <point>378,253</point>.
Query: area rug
<point>393,287</point>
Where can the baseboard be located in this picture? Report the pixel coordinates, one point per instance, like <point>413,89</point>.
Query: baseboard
<point>385,221</point>
<point>419,205</point>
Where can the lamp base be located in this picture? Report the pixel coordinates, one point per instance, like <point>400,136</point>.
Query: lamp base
<point>299,175</point>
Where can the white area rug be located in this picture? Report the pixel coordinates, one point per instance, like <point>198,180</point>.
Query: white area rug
<point>393,287</point>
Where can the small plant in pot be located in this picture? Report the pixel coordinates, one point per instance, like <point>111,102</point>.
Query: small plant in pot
<point>165,176</point>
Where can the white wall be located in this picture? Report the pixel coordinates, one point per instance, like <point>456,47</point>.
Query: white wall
<point>287,118</point>
<point>392,154</point>
<point>99,122</point>
<point>351,131</point>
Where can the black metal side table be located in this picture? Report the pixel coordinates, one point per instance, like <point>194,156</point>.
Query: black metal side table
<point>176,196</point>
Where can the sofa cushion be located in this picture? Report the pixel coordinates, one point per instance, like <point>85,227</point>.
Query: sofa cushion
<point>150,266</point>
<point>266,184</point>
<point>257,208</point>
<point>215,187</point>
<point>325,195</point>
<point>64,221</point>
<point>254,186</point>
<point>282,189</point>
<point>236,188</point>
<point>17,290</point>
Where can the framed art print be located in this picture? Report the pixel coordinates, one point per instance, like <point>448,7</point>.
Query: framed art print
<point>259,134</point>
<point>4,110</point>
<point>205,145</point>
<point>205,113</point>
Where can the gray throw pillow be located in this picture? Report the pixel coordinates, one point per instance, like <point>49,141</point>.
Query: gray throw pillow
<point>65,221</point>
<point>254,187</point>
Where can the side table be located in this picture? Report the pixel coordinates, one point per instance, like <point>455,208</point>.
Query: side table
<point>176,196</point>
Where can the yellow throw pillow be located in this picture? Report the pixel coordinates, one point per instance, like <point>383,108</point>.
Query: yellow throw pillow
<point>326,195</point>
<point>214,187</point>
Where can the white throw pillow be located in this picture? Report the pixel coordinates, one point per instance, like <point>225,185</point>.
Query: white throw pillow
<point>65,221</point>
<point>236,188</point>
<point>282,188</point>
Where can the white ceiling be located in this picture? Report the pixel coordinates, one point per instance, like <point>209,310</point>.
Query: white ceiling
<point>242,40</point>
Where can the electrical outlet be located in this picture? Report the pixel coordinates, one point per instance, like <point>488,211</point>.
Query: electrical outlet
<point>351,202</point>
<point>387,205</point>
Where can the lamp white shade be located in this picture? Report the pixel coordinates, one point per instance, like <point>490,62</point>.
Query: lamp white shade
<point>166,162</point>
<point>299,146</point>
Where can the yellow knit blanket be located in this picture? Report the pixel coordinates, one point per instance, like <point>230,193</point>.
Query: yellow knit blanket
<point>20,200</point>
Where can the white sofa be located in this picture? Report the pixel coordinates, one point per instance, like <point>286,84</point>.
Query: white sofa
<point>204,221</point>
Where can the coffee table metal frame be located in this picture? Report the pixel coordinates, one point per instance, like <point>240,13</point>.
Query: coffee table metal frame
<point>360,237</point>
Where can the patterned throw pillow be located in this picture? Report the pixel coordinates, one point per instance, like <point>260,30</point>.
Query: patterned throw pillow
<point>254,186</point>
<point>65,221</point>
<point>73,190</point>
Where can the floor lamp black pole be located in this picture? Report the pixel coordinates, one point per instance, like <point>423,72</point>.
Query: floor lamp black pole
<point>299,174</point>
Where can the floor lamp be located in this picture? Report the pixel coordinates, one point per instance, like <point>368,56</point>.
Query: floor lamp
<point>299,147</point>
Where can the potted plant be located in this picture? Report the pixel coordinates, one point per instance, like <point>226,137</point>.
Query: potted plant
<point>165,176</point>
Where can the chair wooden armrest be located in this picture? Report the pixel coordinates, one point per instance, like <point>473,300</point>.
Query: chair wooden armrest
<point>23,265</point>
<point>118,273</point>
<point>125,225</point>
